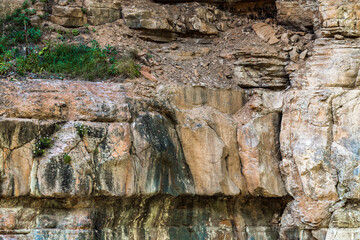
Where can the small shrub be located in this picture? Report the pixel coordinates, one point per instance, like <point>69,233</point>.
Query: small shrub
<point>34,34</point>
<point>110,49</point>
<point>67,159</point>
<point>75,32</point>
<point>133,54</point>
<point>127,67</point>
<point>149,56</point>
<point>81,129</point>
<point>41,145</point>
<point>25,5</point>
<point>5,67</point>
<point>6,60</point>
<point>31,63</point>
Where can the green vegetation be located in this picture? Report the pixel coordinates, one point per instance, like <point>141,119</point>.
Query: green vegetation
<point>41,145</point>
<point>75,32</point>
<point>16,29</point>
<point>67,159</point>
<point>149,56</point>
<point>72,60</point>
<point>88,62</point>
<point>127,67</point>
<point>81,129</point>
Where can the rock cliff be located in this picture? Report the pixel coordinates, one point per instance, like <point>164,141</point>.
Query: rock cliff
<point>243,125</point>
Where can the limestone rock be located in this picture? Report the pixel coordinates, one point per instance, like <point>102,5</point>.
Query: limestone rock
<point>164,25</point>
<point>303,14</point>
<point>259,152</point>
<point>160,165</point>
<point>344,151</point>
<point>99,102</point>
<point>225,101</point>
<point>200,141</point>
<point>305,145</point>
<point>329,68</point>
<point>68,16</point>
<point>258,66</point>
<point>141,18</point>
<point>340,17</point>
<point>265,32</point>
<point>101,12</point>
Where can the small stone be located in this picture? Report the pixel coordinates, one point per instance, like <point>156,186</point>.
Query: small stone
<point>285,38</point>
<point>63,2</point>
<point>35,20</point>
<point>294,56</point>
<point>145,69</point>
<point>174,46</point>
<point>39,6</point>
<point>222,26</point>
<point>273,40</point>
<point>309,36</point>
<point>295,38</point>
<point>265,32</point>
<point>287,49</point>
<point>303,54</point>
<point>339,37</point>
<point>148,76</point>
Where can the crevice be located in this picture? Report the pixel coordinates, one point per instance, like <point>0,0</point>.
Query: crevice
<point>330,140</point>
<point>279,153</point>
<point>273,88</point>
<point>253,9</point>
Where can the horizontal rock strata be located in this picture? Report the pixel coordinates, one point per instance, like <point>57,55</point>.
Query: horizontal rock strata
<point>243,125</point>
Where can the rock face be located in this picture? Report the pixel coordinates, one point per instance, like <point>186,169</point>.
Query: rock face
<point>142,163</point>
<point>244,126</point>
<point>340,17</point>
<point>77,13</point>
<point>68,16</point>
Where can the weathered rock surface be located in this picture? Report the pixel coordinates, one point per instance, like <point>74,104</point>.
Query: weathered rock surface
<point>164,25</point>
<point>302,14</point>
<point>328,67</point>
<point>260,67</point>
<point>129,151</point>
<point>245,127</point>
<point>100,12</point>
<point>68,16</point>
<point>340,17</point>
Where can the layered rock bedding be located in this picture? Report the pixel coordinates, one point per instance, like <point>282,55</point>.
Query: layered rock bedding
<point>242,124</point>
